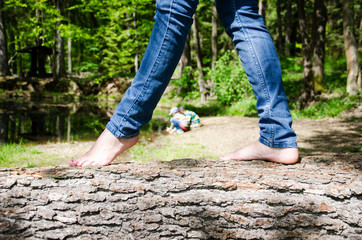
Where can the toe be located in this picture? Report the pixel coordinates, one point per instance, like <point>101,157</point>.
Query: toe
<point>72,163</point>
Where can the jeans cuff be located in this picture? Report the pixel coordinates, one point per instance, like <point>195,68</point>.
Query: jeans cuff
<point>117,133</point>
<point>289,144</point>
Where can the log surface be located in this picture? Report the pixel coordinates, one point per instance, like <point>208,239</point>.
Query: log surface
<point>318,198</point>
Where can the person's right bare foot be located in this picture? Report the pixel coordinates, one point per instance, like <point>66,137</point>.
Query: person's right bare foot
<point>104,151</point>
<point>259,151</point>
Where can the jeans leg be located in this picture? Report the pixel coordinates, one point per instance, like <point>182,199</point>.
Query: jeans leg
<point>176,123</point>
<point>173,20</point>
<point>261,63</point>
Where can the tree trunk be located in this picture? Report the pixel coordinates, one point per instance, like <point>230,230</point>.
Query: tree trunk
<point>186,56</point>
<point>360,32</point>
<point>136,59</point>
<point>319,39</point>
<point>201,81</point>
<point>351,48</point>
<point>280,26</point>
<point>70,67</point>
<point>214,47</point>
<point>70,55</point>
<point>288,29</point>
<point>262,7</point>
<point>69,127</point>
<point>4,128</point>
<point>307,93</point>
<point>60,52</point>
<point>20,57</point>
<point>12,49</point>
<point>4,66</point>
<point>214,36</point>
<point>318,198</point>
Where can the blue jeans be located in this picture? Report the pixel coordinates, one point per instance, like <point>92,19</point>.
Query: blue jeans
<point>245,26</point>
<point>177,124</point>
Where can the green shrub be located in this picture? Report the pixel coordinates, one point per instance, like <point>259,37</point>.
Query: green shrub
<point>231,83</point>
<point>187,85</point>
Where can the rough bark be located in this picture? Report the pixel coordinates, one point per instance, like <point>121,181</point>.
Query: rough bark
<point>319,198</point>
<point>351,48</point>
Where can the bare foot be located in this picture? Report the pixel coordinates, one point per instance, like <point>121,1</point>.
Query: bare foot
<point>259,151</point>
<point>104,151</point>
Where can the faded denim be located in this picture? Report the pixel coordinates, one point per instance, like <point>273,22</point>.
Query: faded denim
<point>257,52</point>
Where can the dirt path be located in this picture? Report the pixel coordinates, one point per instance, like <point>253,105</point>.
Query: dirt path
<point>221,135</point>
<point>315,137</point>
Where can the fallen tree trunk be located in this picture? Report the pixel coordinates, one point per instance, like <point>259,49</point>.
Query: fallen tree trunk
<point>319,198</point>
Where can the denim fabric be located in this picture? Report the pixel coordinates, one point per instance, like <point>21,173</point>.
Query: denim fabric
<point>245,26</point>
<point>177,124</point>
<point>173,20</point>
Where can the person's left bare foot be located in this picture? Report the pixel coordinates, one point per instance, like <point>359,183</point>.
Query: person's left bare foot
<point>259,151</point>
<point>104,151</point>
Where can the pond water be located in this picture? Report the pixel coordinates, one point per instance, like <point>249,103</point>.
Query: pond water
<point>52,120</point>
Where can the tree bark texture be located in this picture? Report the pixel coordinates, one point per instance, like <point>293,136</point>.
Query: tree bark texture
<point>318,198</point>
<point>351,48</point>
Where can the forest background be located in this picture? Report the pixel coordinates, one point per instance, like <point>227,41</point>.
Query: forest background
<point>105,39</point>
<point>96,46</point>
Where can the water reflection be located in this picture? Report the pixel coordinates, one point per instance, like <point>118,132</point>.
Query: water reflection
<point>48,120</point>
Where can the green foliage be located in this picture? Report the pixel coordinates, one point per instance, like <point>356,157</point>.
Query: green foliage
<point>106,35</point>
<point>186,86</point>
<point>230,79</point>
<point>243,108</point>
<point>328,107</point>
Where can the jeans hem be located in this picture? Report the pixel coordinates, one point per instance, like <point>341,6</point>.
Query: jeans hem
<point>290,144</point>
<point>118,134</point>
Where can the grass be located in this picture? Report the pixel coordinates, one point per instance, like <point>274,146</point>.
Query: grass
<point>21,155</point>
<point>328,107</point>
<point>168,152</point>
